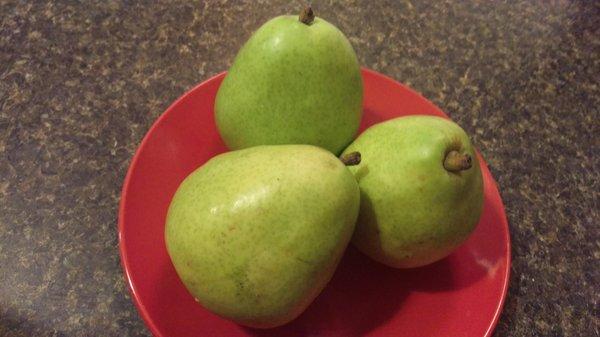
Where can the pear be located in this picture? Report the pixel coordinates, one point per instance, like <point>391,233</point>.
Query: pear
<point>256,234</point>
<point>421,190</point>
<point>295,81</point>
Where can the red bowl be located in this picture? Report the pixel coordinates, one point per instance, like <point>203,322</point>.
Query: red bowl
<point>461,295</point>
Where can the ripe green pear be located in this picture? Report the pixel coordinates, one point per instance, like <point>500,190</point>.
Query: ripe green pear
<point>421,190</point>
<point>256,234</point>
<point>293,82</point>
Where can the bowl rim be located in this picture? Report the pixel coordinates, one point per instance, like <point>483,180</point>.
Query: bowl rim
<point>134,161</point>
<point>124,191</point>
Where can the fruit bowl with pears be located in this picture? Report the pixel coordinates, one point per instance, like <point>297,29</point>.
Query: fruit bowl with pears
<point>301,195</point>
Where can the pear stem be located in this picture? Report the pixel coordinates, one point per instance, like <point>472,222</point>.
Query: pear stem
<point>456,161</point>
<point>307,16</point>
<point>351,159</point>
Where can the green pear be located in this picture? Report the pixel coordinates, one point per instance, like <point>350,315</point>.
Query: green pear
<point>421,190</point>
<point>295,81</point>
<point>256,234</point>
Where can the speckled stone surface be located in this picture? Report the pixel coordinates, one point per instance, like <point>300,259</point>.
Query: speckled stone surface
<point>81,83</point>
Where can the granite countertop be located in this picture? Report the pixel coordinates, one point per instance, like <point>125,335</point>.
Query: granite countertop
<point>81,83</point>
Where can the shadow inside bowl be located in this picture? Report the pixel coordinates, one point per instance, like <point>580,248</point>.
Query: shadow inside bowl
<point>361,295</point>
<point>364,294</point>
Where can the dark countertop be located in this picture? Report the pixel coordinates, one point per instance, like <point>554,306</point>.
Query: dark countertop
<point>80,84</point>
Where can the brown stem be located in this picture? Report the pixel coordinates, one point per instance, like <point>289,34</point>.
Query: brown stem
<point>307,16</point>
<point>351,159</point>
<point>456,161</point>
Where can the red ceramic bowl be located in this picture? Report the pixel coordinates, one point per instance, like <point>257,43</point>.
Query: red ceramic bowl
<point>461,295</point>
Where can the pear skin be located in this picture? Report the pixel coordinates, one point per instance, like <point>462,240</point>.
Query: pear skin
<point>296,81</point>
<point>421,190</point>
<point>256,234</point>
